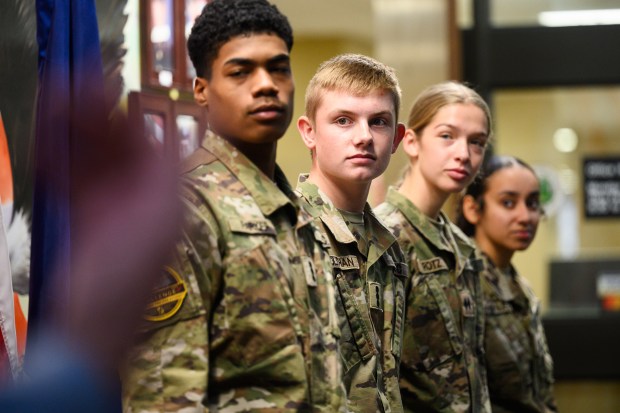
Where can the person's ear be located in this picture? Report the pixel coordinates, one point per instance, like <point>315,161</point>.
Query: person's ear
<point>200,91</point>
<point>306,130</point>
<point>399,134</point>
<point>471,210</point>
<point>411,143</point>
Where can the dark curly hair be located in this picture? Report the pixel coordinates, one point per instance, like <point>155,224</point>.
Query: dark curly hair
<point>222,20</point>
<point>478,187</point>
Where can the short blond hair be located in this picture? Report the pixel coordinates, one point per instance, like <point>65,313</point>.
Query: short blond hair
<point>353,73</point>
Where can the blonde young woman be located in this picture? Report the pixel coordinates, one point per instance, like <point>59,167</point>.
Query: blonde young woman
<point>501,211</point>
<point>442,364</point>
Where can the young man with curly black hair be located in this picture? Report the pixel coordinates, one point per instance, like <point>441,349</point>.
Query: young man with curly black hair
<point>244,319</point>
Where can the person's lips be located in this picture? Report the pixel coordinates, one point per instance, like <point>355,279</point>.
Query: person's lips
<point>523,235</point>
<point>362,158</point>
<point>458,174</point>
<point>267,111</point>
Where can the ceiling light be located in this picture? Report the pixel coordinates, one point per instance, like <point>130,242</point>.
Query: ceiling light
<point>579,17</point>
<point>565,140</point>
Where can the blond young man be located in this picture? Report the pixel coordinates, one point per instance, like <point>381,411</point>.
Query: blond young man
<point>351,128</point>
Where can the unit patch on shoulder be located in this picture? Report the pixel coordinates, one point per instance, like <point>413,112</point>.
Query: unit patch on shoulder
<point>167,298</point>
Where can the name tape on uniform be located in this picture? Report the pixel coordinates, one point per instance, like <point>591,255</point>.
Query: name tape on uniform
<point>346,262</point>
<point>431,265</point>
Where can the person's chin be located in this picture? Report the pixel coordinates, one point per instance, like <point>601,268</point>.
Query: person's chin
<point>271,133</point>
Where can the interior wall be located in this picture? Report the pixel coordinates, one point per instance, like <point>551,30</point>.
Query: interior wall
<point>525,123</point>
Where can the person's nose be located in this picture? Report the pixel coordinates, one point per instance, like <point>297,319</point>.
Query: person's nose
<point>525,214</point>
<point>462,150</point>
<point>363,135</point>
<point>264,84</point>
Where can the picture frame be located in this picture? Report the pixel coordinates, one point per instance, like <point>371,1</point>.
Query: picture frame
<point>190,121</point>
<point>174,128</point>
<point>151,116</point>
<point>164,29</point>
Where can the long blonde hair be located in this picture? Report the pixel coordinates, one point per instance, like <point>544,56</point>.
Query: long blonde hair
<point>434,97</point>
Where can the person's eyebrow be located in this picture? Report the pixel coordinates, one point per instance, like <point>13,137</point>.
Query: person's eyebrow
<point>243,61</point>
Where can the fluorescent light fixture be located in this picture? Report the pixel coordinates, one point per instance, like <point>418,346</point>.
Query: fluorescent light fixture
<point>579,17</point>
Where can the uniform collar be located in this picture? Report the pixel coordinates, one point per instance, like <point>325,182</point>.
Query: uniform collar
<point>501,280</point>
<point>320,206</point>
<point>269,195</point>
<point>428,228</point>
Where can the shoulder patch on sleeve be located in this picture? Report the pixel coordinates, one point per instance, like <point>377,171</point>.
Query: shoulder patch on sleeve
<point>166,299</point>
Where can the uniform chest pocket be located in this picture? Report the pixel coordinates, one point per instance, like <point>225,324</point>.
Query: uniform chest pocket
<point>507,346</point>
<point>506,339</point>
<point>356,329</point>
<point>255,318</point>
<point>431,335</point>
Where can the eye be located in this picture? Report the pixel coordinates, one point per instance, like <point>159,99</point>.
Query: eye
<point>508,203</point>
<point>479,142</point>
<point>238,72</point>
<point>445,135</point>
<point>283,69</point>
<point>533,204</point>
<point>343,121</point>
<point>379,122</point>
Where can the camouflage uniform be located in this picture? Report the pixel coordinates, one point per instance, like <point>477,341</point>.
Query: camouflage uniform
<point>370,274</point>
<point>246,320</point>
<point>519,366</point>
<point>442,367</point>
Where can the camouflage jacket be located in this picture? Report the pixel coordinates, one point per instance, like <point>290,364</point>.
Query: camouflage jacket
<point>442,367</point>
<point>370,303</point>
<point>246,319</point>
<point>519,366</point>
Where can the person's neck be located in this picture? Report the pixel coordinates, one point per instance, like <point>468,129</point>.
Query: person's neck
<point>262,155</point>
<point>349,197</point>
<point>499,257</point>
<point>424,197</point>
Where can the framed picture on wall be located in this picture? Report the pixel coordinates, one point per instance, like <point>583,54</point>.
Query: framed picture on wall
<point>151,116</point>
<point>165,27</point>
<point>193,8</point>
<point>173,128</point>
<point>190,126</point>
<point>158,42</point>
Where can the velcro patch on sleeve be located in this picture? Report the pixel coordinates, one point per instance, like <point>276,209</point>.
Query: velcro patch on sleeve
<point>166,300</point>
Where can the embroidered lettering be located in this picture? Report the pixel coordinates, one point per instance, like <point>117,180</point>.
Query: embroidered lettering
<point>431,265</point>
<point>347,262</point>
<point>166,300</point>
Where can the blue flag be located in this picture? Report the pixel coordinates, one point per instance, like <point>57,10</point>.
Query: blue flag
<point>70,115</point>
